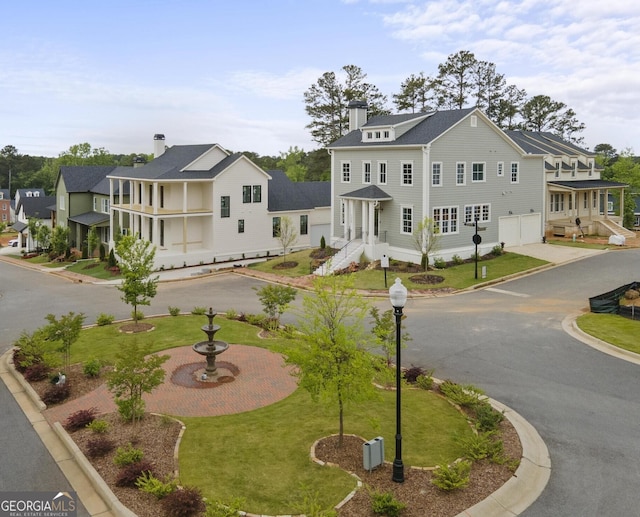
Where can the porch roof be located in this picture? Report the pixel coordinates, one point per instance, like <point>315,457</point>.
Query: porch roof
<point>587,184</point>
<point>372,193</point>
<point>90,218</point>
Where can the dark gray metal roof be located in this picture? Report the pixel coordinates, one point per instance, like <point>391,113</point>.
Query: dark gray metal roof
<point>90,218</point>
<point>424,131</point>
<point>5,193</point>
<point>370,192</point>
<point>82,178</point>
<point>588,184</point>
<point>535,142</point>
<point>38,206</point>
<point>285,194</point>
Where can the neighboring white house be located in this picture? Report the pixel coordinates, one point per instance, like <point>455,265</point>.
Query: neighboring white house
<point>38,207</point>
<point>200,204</point>
<point>454,167</point>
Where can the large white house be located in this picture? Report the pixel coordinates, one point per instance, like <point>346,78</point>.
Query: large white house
<point>455,167</point>
<point>200,204</point>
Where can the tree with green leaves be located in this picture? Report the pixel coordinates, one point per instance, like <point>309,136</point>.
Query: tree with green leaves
<point>509,106</point>
<point>607,154</point>
<point>33,224</point>
<point>92,241</point>
<point>135,373</point>
<point>541,113</point>
<point>327,102</point>
<point>59,240</point>
<point>490,88</point>
<point>292,163</point>
<point>426,240</point>
<point>286,234</point>
<point>66,331</point>
<point>333,364</point>
<point>275,300</point>
<point>627,170</point>
<point>455,81</point>
<point>416,94</point>
<point>384,332</point>
<point>135,259</point>
<point>44,236</point>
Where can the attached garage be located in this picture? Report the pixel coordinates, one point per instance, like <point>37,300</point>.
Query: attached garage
<point>517,230</point>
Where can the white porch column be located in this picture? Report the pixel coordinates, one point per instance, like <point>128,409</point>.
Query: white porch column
<point>352,217</point>
<point>621,206</point>
<point>365,220</point>
<point>184,198</point>
<point>156,201</point>
<point>156,236</point>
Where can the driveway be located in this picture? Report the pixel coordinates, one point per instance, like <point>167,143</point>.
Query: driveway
<point>506,339</point>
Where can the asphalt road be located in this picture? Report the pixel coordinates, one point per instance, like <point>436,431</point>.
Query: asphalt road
<point>507,340</point>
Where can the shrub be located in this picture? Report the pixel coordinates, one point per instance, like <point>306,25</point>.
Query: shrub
<point>174,311</point>
<point>384,503</point>
<point>497,250</point>
<point>323,243</point>
<point>184,503</point>
<point>425,381</point>
<point>480,446</point>
<point>56,394</point>
<point>440,263</point>
<point>111,261</point>
<point>103,252</point>
<point>37,372</point>
<point>34,348</point>
<point>412,374</point>
<point>92,368</point>
<point>463,395</point>
<point>487,418</point>
<point>457,260</point>
<point>259,320</point>
<point>150,484</point>
<point>129,474</point>
<point>98,426</point>
<point>80,419</point>
<point>99,446</point>
<point>231,314</point>
<point>452,477</point>
<point>198,311</point>
<point>137,315</point>
<point>127,455</point>
<point>104,319</point>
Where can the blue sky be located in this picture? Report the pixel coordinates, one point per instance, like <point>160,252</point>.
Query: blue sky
<point>234,72</point>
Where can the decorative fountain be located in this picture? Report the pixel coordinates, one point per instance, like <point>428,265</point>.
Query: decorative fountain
<point>211,348</point>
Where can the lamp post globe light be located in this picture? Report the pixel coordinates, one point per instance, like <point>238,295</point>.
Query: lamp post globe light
<point>398,297</point>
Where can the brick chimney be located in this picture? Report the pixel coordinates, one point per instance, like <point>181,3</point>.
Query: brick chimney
<point>357,114</point>
<point>158,145</point>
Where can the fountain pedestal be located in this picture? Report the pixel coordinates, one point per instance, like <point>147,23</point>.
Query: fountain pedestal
<point>210,348</point>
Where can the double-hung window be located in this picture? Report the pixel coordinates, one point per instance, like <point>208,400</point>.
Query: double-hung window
<point>515,172</point>
<point>382,173</point>
<point>275,224</point>
<point>246,194</point>
<point>481,212</point>
<point>445,219</point>
<point>304,224</point>
<point>366,173</point>
<point>500,169</point>
<point>406,223</point>
<point>257,193</point>
<point>105,205</point>
<point>407,173</point>
<point>460,173</point>
<point>346,172</point>
<point>477,174</point>
<point>436,174</point>
<point>225,206</point>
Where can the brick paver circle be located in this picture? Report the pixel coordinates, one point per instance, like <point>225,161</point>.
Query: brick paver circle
<point>263,379</point>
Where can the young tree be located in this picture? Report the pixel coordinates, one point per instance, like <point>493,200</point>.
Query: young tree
<point>384,332</point>
<point>135,258</point>
<point>66,330</point>
<point>333,364</point>
<point>44,236</point>
<point>135,372</point>
<point>92,241</point>
<point>59,240</point>
<point>33,224</point>
<point>426,240</point>
<point>286,234</point>
<point>275,300</point>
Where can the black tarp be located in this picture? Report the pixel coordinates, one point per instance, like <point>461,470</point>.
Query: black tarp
<point>609,303</point>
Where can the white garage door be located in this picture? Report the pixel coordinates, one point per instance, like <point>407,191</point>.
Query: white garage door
<point>516,230</point>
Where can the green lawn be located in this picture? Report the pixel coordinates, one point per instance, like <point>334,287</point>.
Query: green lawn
<point>617,330</point>
<point>578,244</point>
<point>262,456</point>
<point>93,268</point>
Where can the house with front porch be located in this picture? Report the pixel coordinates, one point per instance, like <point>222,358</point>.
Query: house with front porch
<point>575,193</point>
<point>201,204</point>
<point>455,167</point>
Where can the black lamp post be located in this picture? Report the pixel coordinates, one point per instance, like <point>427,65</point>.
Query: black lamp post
<point>398,297</point>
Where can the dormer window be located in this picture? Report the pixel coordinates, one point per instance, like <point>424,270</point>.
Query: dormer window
<point>574,170</point>
<point>592,164</point>
<point>378,135</point>
<point>386,135</point>
<point>557,173</point>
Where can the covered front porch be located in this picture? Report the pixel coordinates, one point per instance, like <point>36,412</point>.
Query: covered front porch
<point>582,208</point>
